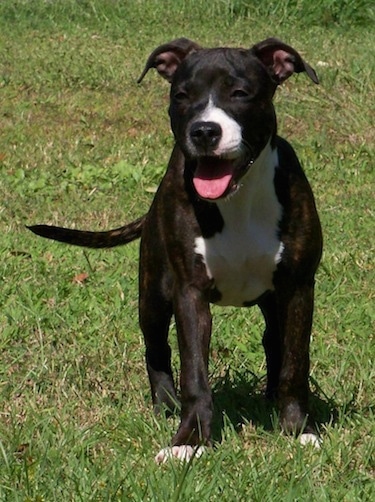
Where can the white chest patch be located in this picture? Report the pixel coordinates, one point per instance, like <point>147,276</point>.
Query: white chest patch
<point>242,258</point>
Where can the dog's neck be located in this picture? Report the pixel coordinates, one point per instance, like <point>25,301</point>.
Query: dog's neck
<point>255,197</point>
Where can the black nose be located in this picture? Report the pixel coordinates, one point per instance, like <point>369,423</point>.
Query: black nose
<point>205,134</point>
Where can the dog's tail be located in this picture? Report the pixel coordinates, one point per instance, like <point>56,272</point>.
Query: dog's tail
<point>107,239</point>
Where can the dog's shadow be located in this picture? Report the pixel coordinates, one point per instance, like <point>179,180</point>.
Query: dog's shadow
<point>240,400</point>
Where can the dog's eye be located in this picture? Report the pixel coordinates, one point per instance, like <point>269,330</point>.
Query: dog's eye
<point>181,96</point>
<point>239,93</point>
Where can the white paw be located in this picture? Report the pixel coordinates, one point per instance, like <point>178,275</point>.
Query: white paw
<point>311,439</point>
<point>184,453</point>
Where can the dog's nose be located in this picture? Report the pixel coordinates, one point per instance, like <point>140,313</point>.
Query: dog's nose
<point>205,134</point>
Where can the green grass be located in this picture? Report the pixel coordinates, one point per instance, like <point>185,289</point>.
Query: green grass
<point>82,144</point>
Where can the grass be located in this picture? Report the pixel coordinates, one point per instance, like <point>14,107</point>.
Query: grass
<point>81,144</point>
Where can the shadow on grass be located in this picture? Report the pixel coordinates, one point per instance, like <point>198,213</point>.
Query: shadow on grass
<point>241,400</point>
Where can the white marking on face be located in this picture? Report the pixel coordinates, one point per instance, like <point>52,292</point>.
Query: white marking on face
<point>184,453</point>
<point>231,140</point>
<point>242,258</point>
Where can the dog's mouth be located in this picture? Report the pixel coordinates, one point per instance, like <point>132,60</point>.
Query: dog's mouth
<point>217,177</point>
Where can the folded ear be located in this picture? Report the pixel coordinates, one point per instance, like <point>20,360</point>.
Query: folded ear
<point>282,60</point>
<point>168,57</point>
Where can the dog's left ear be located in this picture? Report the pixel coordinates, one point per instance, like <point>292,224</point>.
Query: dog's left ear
<point>168,57</point>
<point>282,60</point>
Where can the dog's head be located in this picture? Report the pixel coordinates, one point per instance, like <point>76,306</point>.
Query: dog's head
<point>221,108</point>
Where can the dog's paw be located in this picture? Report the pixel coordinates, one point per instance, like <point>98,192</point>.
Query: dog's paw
<point>184,453</point>
<point>310,439</point>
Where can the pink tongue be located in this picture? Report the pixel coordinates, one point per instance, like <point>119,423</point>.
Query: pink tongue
<point>212,177</point>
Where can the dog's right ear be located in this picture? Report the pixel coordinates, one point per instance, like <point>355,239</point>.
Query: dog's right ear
<point>168,57</point>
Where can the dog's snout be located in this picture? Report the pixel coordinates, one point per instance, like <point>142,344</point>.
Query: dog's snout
<point>205,134</point>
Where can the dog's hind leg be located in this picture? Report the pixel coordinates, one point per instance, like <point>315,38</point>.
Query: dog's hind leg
<point>155,315</point>
<point>272,344</point>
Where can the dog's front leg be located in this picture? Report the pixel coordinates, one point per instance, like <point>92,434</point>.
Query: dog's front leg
<point>193,321</point>
<point>295,312</point>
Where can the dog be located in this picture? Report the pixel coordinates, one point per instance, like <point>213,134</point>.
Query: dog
<point>233,222</point>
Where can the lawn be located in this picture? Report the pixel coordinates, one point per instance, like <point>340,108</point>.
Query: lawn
<point>83,145</point>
